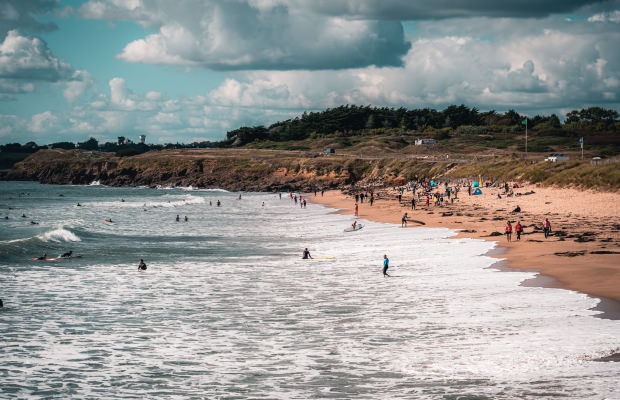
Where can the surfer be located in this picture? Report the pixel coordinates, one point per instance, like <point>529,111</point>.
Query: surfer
<point>239,197</point>
<point>24,216</point>
<point>354,225</point>
<point>79,205</point>
<point>178,218</point>
<point>386,264</point>
<point>108,220</point>
<point>403,221</point>
<point>67,254</point>
<point>186,218</point>
<point>218,203</point>
<point>356,209</point>
<point>43,257</point>
<point>306,254</point>
<point>142,265</point>
<point>34,223</point>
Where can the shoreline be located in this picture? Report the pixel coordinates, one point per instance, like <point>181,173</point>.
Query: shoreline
<point>578,256</point>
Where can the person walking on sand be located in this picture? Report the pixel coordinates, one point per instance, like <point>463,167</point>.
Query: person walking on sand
<point>356,210</point>
<point>547,227</point>
<point>508,231</point>
<point>413,202</point>
<point>386,264</point>
<point>518,229</point>
<point>372,199</point>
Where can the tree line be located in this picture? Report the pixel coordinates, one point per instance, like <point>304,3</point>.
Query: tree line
<point>352,118</point>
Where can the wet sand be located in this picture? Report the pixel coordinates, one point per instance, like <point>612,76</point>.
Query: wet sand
<point>581,254</point>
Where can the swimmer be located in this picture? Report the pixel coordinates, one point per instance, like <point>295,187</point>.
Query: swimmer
<point>142,265</point>
<point>34,223</point>
<point>177,218</point>
<point>186,218</point>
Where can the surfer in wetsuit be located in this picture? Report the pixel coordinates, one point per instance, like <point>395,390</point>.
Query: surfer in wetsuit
<point>386,264</point>
<point>67,254</point>
<point>306,254</point>
<point>177,218</point>
<point>142,265</point>
<point>403,221</point>
<point>354,225</point>
<point>43,257</point>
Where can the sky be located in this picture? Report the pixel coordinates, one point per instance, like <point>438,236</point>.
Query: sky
<point>191,70</point>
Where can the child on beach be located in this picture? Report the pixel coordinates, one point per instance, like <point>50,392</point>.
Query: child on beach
<point>508,231</point>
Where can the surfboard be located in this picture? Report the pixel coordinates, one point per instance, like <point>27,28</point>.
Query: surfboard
<point>357,228</point>
<point>109,222</point>
<point>320,258</point>
<point>45,259</point>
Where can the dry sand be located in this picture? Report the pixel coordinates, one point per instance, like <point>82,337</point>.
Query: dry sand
<point>582,254</point>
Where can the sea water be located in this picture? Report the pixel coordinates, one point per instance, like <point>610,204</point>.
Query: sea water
<point>228,309</point>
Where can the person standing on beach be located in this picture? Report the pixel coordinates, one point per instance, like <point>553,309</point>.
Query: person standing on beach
<point>547,227</point>
<point>508,231</point>
<point>372,199</point>
<point>413,202</point>
<point>518,229</point>
<point>356,210</point>
<point>386,264</point>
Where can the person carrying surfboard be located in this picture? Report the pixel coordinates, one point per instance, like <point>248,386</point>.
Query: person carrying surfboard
<point>306,254</point>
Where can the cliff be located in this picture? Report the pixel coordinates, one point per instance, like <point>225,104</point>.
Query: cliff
<point>272,170</point>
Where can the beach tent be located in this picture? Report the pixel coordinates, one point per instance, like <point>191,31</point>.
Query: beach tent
<point>433,184</point>
<point>478,191</point>
<point>475,184</point>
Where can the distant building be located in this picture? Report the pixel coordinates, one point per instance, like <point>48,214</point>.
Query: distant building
<point>557,157</point>
<point>419,142</point>
<point>142,138</point>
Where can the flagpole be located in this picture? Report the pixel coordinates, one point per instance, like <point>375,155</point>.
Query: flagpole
<point>581,148</point>
<point>526,138</point>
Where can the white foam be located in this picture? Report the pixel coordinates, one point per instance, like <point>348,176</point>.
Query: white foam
<point>95,183</point>
<point>59,235</point>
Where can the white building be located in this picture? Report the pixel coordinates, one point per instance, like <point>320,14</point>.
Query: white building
<point>419,142</point>
<point>142,138</point>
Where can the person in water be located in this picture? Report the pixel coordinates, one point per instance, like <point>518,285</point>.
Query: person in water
<point>218,203</point>
<point>108,220</point>
<point>186,219</point>
<point>386,264</point>
<point>177,218</point>
<point>43,257</point>
<point>403,221</point>
<point>354,225</point>
<point>306,254</point>
<point>142,265</point>
<point>67,254</point>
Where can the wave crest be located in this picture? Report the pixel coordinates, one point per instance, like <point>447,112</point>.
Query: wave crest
<point>59,235</point>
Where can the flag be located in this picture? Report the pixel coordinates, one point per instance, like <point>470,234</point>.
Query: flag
<point>524,122</point>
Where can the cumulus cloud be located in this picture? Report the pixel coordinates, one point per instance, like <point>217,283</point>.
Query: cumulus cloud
<point>79,84</point>
<point>420,9</point>
<point>45,122</point>
<point>24,57</point>
<point>544,68</point>
<point>243,35</point>
<point>21,14</point>
<point>610,16</point>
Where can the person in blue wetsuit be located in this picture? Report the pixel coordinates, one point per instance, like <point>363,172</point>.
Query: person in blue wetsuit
<point>386,264</point>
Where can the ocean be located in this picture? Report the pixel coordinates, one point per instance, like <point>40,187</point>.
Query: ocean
<point>228,309</point>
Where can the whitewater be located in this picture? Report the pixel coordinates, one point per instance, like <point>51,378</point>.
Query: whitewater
<point>228,309</point>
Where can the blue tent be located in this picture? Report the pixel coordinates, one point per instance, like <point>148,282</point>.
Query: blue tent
<point>478,191</point>
<point>475,184</point>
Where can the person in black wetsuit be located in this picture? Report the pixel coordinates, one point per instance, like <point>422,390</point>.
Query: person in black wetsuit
<point>142,265</point>
<point>67,254</point>
<point>306,254</point>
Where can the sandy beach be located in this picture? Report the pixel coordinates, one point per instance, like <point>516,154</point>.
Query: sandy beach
<point>581,254</point>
